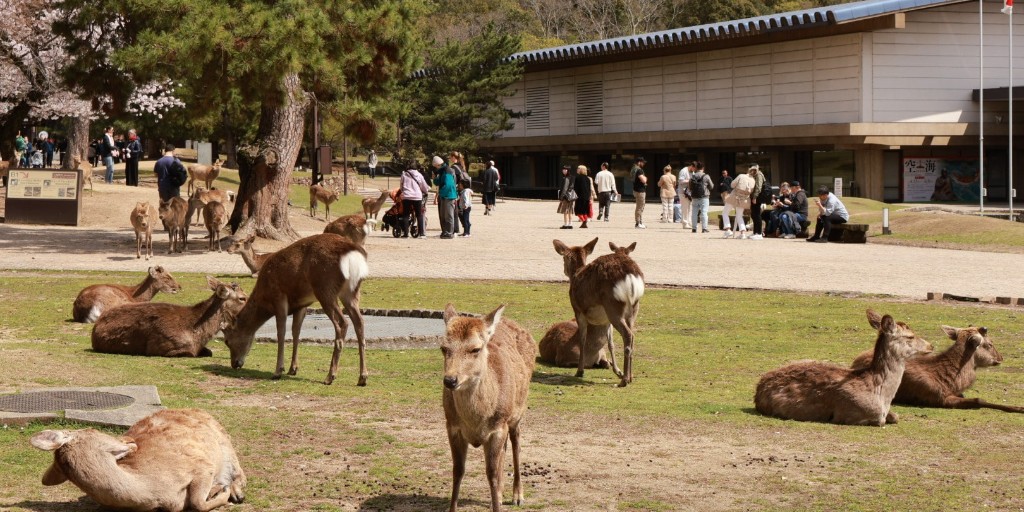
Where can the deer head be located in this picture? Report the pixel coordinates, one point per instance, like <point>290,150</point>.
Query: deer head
<point>465,346</point>
<point>574,258</point>
<point>976,340</point>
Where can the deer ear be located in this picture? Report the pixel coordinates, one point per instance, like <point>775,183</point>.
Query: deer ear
<point>214,283</point>
<point>874,319</point>
<point>631,248</point>
<point>973,342</point>
<point>612,246</point>
<point>54,475</point>
<point>449,313</point>
<point>50,440</point>
<point>153,271</point>
<point>951,332</point>
<point>887,325</point>
<point>590,246</point>
<point>491,321</point>
<point>560,247</point>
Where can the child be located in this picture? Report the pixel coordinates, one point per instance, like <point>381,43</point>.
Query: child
<point>465,204</point>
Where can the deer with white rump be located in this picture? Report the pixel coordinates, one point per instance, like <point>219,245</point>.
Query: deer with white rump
<point>488,364</point>
<point>604,294</point>
<point>172,460</point>
<point>322,268</point>
<point>96,299</point>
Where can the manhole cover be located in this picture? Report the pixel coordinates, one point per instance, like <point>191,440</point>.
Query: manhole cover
<point>50,401</point>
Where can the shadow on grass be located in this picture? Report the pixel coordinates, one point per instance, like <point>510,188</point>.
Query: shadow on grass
<point>84,504</point>
<point>411,503</point>
<point>751,411</point>
<point>245,373</point>
<point>555,379</point>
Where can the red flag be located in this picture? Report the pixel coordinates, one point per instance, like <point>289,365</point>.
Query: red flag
<point>1007,7</point>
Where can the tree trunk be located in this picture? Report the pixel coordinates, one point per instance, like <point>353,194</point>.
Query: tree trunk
<point>78,141</point>
<point>262,204</point>
<point>229,149</point>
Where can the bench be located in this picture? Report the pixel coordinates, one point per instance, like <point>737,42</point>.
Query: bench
<point>849,233</point>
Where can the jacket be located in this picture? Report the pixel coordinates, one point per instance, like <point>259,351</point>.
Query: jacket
<point>445,181</point>
<point>414,187</point>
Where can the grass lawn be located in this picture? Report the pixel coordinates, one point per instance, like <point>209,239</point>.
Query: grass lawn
<point>683,436</point>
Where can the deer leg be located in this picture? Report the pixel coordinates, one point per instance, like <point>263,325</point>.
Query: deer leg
<point>494,459</point>
<point>297,319</point>
<point>281,316</point>
<point>581,339</point>
<point>340,327</point>
<point>203,496</point>
<point>627,349</point>
<point>352,310</point>
<point>459,448</point>
<point>957,402</point>
<point>517,483</point>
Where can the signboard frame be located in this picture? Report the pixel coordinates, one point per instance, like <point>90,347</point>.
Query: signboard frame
<point>44,196</point>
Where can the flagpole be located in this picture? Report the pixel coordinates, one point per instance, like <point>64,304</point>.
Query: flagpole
<point>1010,15</point>
<point>981,104</point>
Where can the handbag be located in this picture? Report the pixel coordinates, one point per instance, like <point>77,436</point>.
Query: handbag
<point>571,195</point>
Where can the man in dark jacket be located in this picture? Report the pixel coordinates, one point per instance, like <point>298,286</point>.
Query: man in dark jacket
<point>492,179</point>
<point>165,169</point>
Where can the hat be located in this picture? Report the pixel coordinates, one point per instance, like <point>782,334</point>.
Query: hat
<point>437,161</point>
<point>794,183</point>
<point>754,166</point>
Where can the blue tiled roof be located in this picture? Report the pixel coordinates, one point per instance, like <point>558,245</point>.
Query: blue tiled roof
<point>820,16</point>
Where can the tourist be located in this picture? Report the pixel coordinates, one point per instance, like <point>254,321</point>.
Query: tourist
<point>830,211</point>
<point>132,154</point>
<point>700,188</point>
<point>606,190</point>
<point>667,192</point>
<point>566,198</point>
<point>755,203</point>
<point>491,183</point>
<point>584,188</point>
<point>444,178</point>
<point>639,190</point>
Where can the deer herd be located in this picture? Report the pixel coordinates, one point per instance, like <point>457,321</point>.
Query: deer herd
<point>184,459</point>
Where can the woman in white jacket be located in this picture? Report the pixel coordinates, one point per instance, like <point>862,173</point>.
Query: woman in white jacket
<point>739,200</point>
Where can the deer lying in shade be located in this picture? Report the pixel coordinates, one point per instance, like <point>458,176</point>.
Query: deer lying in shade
<point>560,346</point>
<point>94,300</point>
<point>172,460</point>
<point>819,391</point>
<point>939,380</point>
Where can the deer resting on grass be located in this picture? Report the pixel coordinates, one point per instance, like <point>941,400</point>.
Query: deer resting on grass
<point>488,364</point>
<point>172,460</point>
<point>252,259</point>
<point>353,227</point>
<point>372,206</point>
<point>205,173</point>
<point>819,391</point>
<point>168,330</point>
<point>94,300</point>
<point>939,380</point>
<point>143,217</point>
<point>604,294</point>
<point>322,268</point>
<point>560,346</point>
<point>321,194</point>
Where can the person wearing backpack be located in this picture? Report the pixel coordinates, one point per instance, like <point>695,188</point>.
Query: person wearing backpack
<point>700,188</point>
<point>757,198</point>
<point>170,174</point>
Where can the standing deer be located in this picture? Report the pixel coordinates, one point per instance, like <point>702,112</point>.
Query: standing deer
<point>353,227</point>
<point>322,268</point>
<point>201,197</point>
<point>215,217</point>
<point>322,194</point>
<point>205,173</point>
<point>83,165</point>
<point>488,364</point>
<point>939,380</point>
<point>143,217</point>
<point>94,300</point>
<point>252,260</point>
<point>174,214</point>
<point>560,346</point>
<point>819,391</point>
<point>372,206</point>
<point>172,460</point>
<point>604,294</point>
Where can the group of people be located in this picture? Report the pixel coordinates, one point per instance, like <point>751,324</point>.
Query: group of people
<point>35,155</point>
<point>690,192</point>
<point>577,192</point>
<point>111,149</point>
<point>454,196</point>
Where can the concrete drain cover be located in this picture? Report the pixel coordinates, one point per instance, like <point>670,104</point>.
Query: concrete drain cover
<point>49,401</point>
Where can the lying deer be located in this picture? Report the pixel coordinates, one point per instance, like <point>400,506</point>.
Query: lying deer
<point>201,197</point>
<point>172,460</point>
<point>818,391</point>
<point>252,259</point>
<point>94,300</point>
<point>205,173</point>
<point>321,194</point>
<point>488,364</point>
<point>560,346</point>
<point>372,206</point>
<point>168,330</point>
<point>605,292</point>
<point>322,268</point>
<point>939,380</point>
<point>174,214</point>
<point>353,227</point>
<point>215,217</point>
<point>143,217</point>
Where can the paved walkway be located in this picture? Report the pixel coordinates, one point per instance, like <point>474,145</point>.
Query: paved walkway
<point>515,244</point>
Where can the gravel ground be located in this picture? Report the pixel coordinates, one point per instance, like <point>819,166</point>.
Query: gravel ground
<point>515,243</point>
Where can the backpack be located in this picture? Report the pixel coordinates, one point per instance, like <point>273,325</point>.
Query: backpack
<point>461,176</point>
<point>765,196</point>
<point>177,173</point>
<point>697,189</point>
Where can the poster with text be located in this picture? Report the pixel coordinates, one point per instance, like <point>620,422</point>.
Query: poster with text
<point>944,179</point>
<point>39,184</point>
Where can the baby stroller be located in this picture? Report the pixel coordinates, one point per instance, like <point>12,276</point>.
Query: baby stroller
<point>396,216</point>
<point>35,160</point>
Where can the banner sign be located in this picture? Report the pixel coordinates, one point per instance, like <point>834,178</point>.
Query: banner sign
<point>38,184</point>
<point>940,179</point>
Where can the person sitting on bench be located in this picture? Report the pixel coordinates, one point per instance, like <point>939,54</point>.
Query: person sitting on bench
<point>830,211</point>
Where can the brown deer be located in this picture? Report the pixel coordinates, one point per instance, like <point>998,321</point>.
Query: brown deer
<point>604,294</point>
<point>174,214</point>
<point>172,460</point>
<point>321,194</point>
<point>819,391</point>
<point>215,216</point>
<point>168,330</point>
<point>252,259</point>
<point>205,173</point>
<point>143,217</point>
<point>488,364</point>
<point>353,227</point>
<point>939,380</point>
<point>83,165</point>
<point>94,300</point>
<point>201,197</point>
<point>560,346</point>
<point>322,268</point>
<point>372,206</point>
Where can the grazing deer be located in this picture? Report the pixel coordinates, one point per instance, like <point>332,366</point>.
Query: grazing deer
<point>143,217</point>
<point>201,197</point>
<point>172,460</point>
<point>939,380</point>
<point>94,300</point>
<point>322,194</point>
<point>604,294</point>
<point>353,227</point>
<point>818,391</point>
<point>560,346</point>
<point>174,214</point>
<point>488,364</point>
<point>322,268</point>
<point>205,173</point>
<point>83,165</point>
<point>372,206</point>
<point>215,217</point>
<point>168,330</point>
<point>252,260</point>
